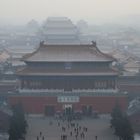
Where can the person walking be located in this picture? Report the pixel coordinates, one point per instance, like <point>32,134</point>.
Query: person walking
<point>71,133</point>
<point>96,137</point>
<point>40,133</point>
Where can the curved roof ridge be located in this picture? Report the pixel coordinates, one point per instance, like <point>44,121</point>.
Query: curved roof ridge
<point>73,53</point>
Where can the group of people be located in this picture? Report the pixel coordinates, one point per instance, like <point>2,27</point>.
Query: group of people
<point>69,129</point>
<point>72,129</point>
<point>40,137</point>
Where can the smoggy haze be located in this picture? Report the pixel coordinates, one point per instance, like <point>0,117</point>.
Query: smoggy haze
<point>21,11</point>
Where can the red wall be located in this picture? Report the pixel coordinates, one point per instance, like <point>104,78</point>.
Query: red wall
<point>36,104</point>
<point>32,104</point>
<point>105,104</point>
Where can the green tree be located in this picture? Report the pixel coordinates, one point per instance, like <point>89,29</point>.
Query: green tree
<point>116,115</point>
<point>121,124</point>
<point>116,119</point>
<point>18,123</point>
<point>127,132</point>
<point>13,131</point>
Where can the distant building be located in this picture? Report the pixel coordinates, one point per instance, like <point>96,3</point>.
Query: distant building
<point>60,30</point>
<point>58,78</point>
<point>16,53</point>
<point>129,84</point>
<point>32,26</point>
<point>132,66</point>
<point>128,61</point>
<point>4,56</point>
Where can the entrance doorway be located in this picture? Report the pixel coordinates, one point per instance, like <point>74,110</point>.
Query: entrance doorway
<point>68,109</point>
<point>49,110</point>
<point>87,110</point>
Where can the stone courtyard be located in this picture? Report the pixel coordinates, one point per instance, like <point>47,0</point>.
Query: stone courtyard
<point>50,129</point>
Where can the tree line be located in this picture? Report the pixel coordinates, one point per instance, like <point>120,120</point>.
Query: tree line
<point>121,124</point>
<point>18,124</point>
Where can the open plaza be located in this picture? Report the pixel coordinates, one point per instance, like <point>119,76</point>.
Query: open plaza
<point>49,128</point>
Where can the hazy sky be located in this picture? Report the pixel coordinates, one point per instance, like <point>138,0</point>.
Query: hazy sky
<point>21,11</point>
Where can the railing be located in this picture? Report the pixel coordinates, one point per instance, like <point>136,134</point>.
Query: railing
<point>73,90</point>
<point>40,90</point>
<point>96,90</point>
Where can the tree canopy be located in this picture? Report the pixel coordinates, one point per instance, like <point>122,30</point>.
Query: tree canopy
<point>18,123</point>
<point>121,124</point>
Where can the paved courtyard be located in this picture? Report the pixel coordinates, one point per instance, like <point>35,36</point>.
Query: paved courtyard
<point>96,127</point>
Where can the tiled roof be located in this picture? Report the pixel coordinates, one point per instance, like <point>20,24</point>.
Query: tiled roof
<point>67,32</point>
<point>131,88</point>
<point>59,22</point>
<point>42,72</point>
<point>68,53</point>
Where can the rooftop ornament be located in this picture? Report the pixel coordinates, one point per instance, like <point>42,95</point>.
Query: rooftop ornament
<point>94,43</point>
<point>41,43</point>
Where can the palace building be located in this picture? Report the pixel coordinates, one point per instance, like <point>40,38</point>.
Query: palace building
<point>58,77</point>
<point>60,30</point>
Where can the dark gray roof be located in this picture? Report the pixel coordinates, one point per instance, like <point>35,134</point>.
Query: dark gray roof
<point>41,71</point>
<point>68,53</point>
<point>59,22</point>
